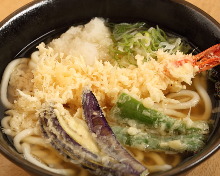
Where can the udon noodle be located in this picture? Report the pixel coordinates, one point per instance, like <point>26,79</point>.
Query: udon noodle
<point>57,73</point>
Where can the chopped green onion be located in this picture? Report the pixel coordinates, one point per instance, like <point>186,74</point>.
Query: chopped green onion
<point>133,39</point>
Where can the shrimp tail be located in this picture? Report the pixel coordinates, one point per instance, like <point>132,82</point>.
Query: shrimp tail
<point>208,58</point>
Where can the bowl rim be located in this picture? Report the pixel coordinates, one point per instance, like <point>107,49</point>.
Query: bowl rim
<point>36,169</point>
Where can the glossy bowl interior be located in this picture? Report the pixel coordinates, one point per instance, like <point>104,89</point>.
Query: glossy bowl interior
<point>38,21</point>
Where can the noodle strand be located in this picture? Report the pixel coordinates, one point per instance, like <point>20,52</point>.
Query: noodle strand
<point>184,105</point>
<point>20,136</point>
<point>5,79</point>
<point>26,150</point>
<point>205,97</point>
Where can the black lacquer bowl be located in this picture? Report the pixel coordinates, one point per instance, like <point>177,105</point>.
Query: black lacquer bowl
<point>38,21</point>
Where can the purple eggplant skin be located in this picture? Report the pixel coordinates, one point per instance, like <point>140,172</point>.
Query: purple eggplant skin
<point>105,137</point>
<point>73,151</point>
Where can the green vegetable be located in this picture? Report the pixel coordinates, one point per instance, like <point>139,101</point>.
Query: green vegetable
<point>132,39</point>
<point>147,141</point>
<point>122,29</point>
<point>130,111</point>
